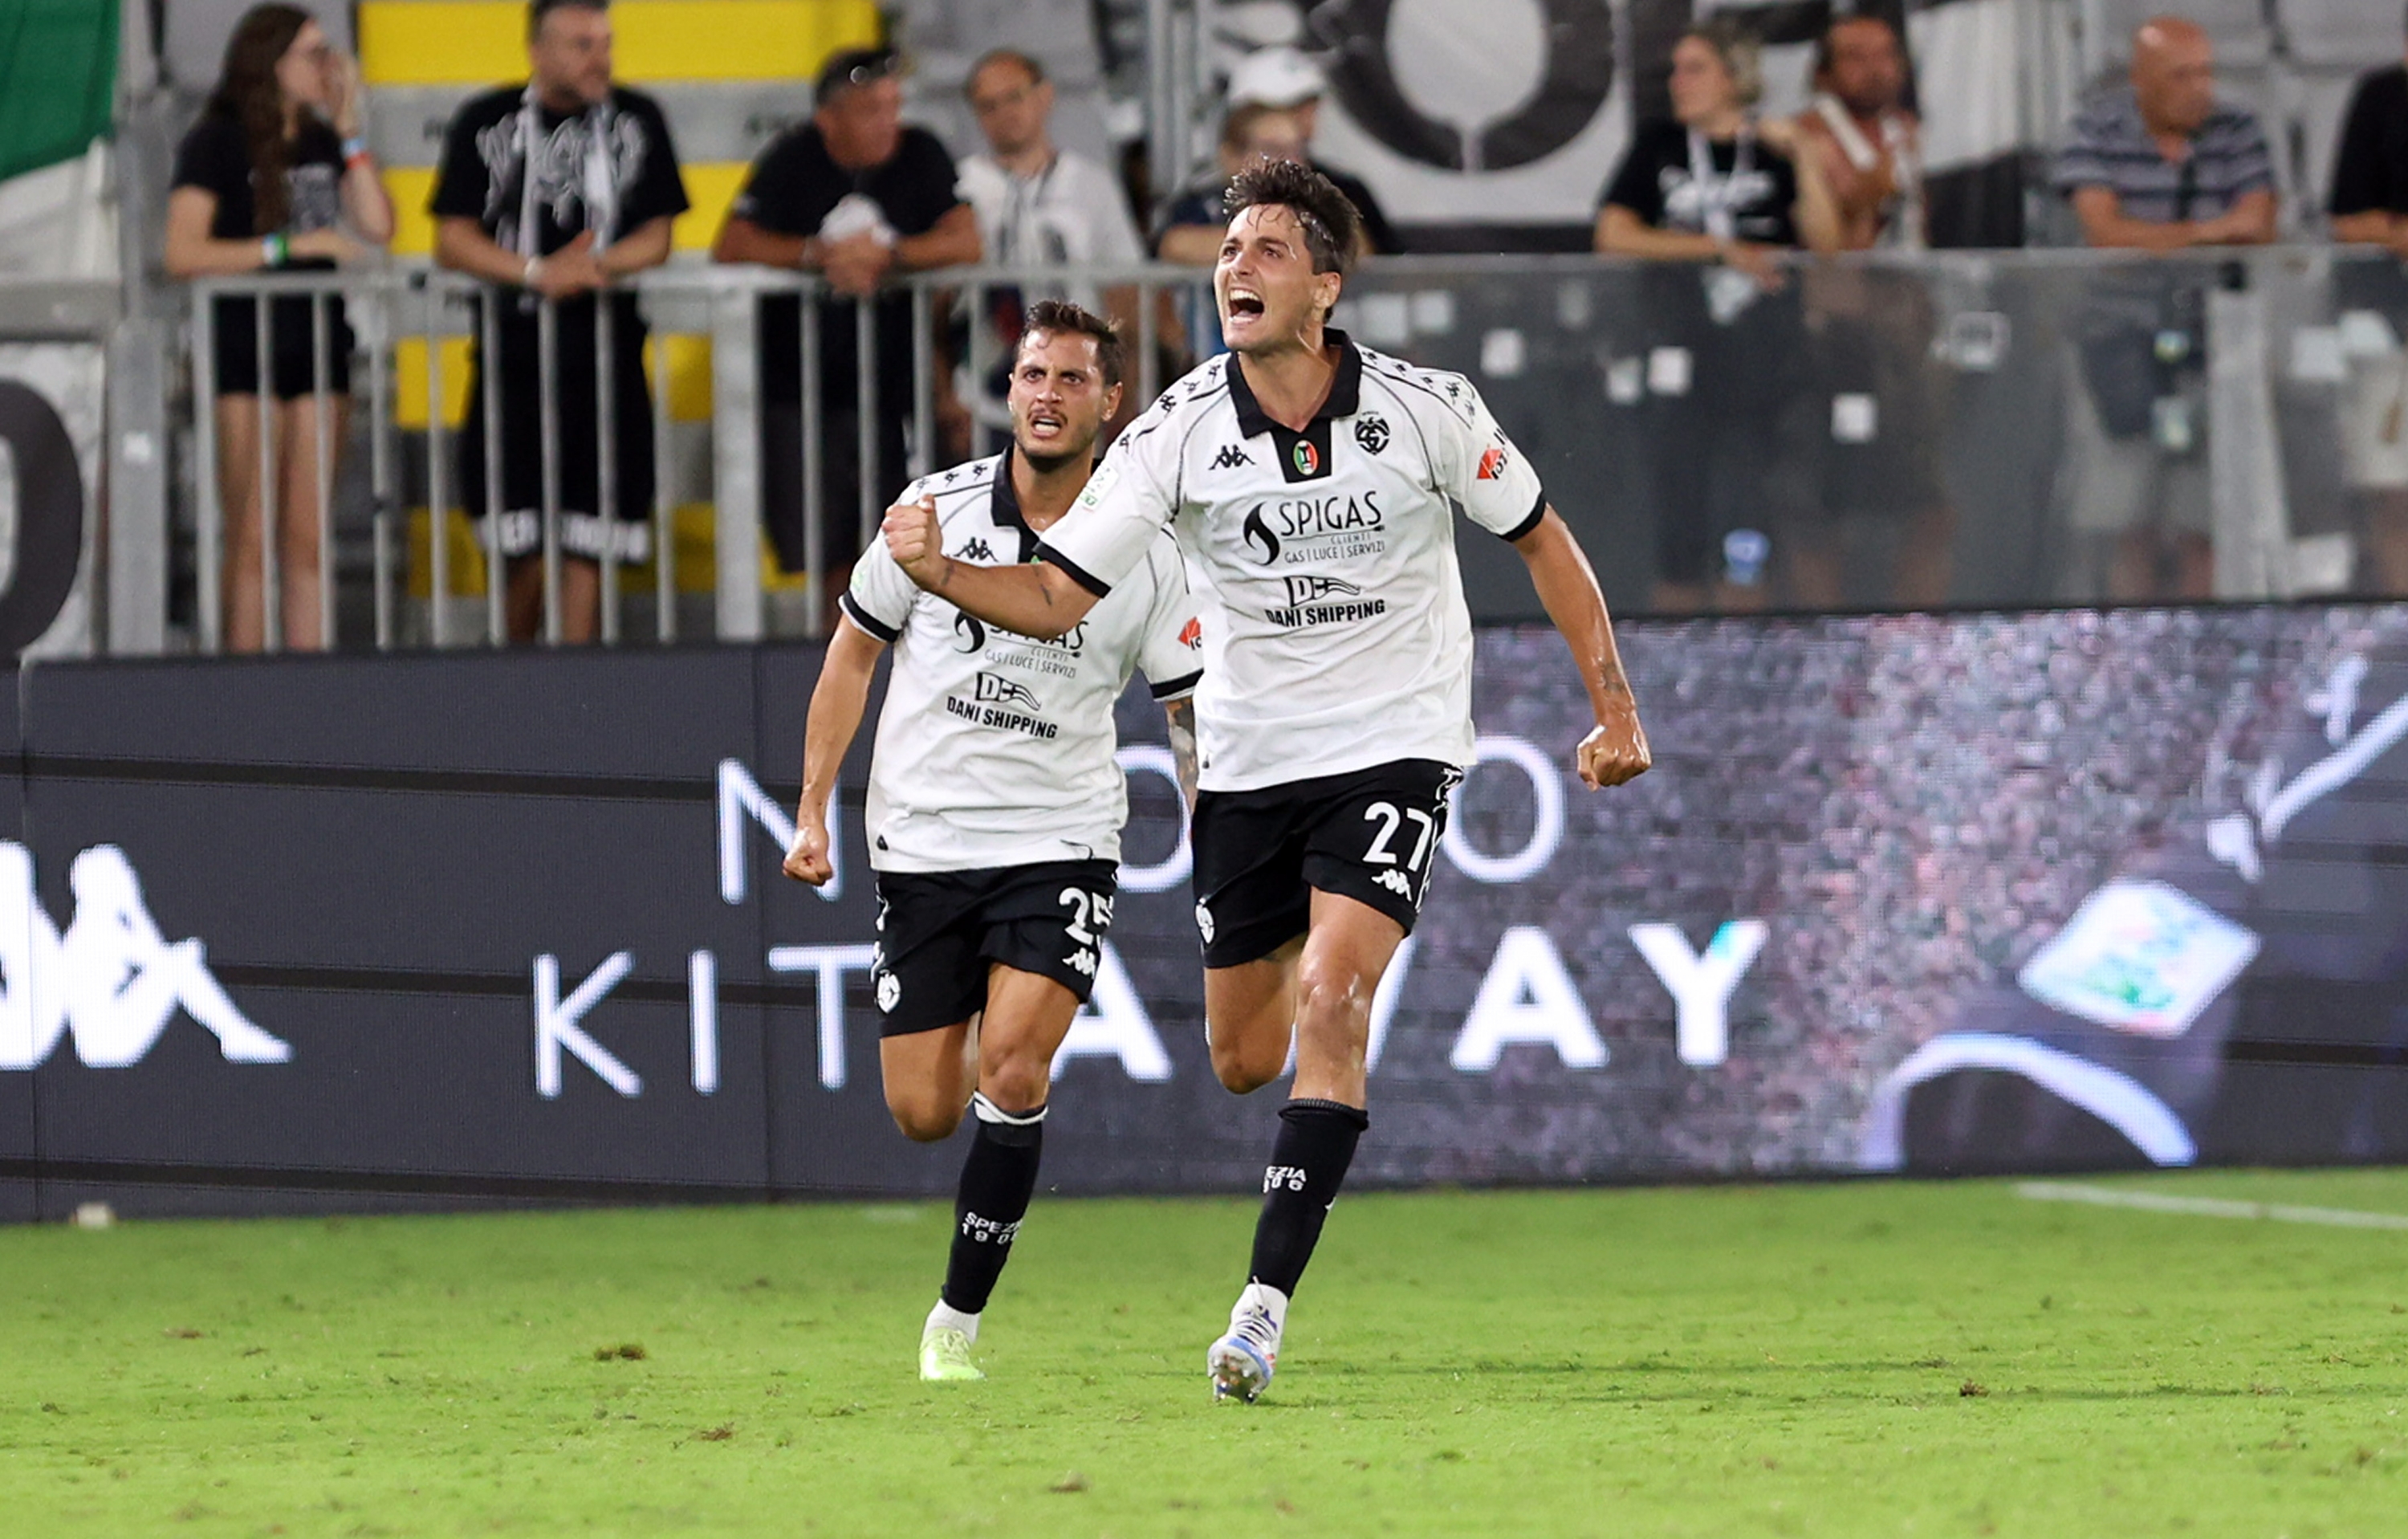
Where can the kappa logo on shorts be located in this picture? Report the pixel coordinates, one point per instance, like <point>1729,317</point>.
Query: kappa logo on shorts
<point>1081,962</point>
<point>1395,882</point>
<point>890,992</point>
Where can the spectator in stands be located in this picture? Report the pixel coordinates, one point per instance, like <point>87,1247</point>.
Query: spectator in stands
<point>854,196</point>
<point>1863,138</point>
<point>1285,79</point>
<point>1716,185</point>
<point>1865,438</point>
<point>265,181</point>
<point>552,191</point>
<point>1040,205</point>
<point>2156,165</point>
<point>1190,225</point>
<point>2369,207</point>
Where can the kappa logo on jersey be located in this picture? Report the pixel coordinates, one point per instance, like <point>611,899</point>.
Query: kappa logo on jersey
<point>977,549</point>
<point>1371,432</point>
<point>1306,458</point>
<point>1307,590</point>
<point>1191,635</point>
<point>969,632</point>
<point>1330,529</point>
<point>1492,464</point>
<point>1230,457</point>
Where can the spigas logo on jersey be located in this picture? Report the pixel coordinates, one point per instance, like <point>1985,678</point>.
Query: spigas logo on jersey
<point>1315,528</point>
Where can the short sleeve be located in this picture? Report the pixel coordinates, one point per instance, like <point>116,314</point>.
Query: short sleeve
<point>2082,162</point>
<point>2254,160</point>
<point>1171,654</point>
<point>1115,231</point>
<point>460,178</point>
<point>1106,532</point>
<point>775,194</point>
<point>931,191</point>
<point>212,159</point>
<point>1635,186</point>
<point>881,596</point>
<point>659,192</point>
<point>1480,467</point>
<point>2359,183</point>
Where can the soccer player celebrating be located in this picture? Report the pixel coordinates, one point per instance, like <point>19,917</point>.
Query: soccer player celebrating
<point>1309,482</point>
<point>995,800</point>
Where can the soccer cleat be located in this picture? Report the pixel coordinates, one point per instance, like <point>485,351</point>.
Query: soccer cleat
<point>1243,1361</point>
<point>945,1354</point>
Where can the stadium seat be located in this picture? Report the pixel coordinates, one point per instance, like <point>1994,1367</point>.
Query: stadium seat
<point>2354,34</point>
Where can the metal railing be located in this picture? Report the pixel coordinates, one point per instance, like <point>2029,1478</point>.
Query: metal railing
<point>1968,381</point>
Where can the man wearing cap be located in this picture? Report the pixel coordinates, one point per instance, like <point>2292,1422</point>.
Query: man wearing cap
<point>1285,79</point>
<point>854,196</point>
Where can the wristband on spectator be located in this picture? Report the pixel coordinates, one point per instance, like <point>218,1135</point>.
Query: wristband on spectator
<point>274,250</point>
<point>355,149</point>
<point>533,270</point>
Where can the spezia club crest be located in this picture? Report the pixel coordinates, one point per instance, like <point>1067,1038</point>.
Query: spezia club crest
<point>890,992</point>
<point>1204,923</point>
<point>1371,432</point>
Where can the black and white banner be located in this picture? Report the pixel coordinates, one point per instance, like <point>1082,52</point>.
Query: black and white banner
<point>2062,890</point>
<point>1496,123</point>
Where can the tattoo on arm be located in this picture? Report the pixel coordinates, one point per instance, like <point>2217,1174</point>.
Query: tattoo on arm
<point>1181,714</point>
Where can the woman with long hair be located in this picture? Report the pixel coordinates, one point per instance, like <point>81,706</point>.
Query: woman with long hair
<point>266,181</point>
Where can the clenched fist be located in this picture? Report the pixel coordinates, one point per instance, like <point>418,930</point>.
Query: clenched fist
<point>808,861</point>
<point>915,542</point>
<point>1616,750</point>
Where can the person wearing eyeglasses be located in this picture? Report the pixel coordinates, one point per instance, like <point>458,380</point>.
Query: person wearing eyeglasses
<point>559,190</point>
<point>854,196</point>
<point>266,181</point>
<point>2157,165</point>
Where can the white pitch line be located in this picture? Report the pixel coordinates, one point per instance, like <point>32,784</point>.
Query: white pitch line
<point>2208,1207</point>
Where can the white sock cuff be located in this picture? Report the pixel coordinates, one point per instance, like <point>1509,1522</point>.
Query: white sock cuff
<point>946,1317</point>
<point>988,1110</point>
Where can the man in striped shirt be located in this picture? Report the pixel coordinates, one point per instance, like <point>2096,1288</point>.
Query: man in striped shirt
<point>2160,167</point>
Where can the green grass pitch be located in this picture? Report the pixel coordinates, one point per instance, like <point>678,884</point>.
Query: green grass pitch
<point>1877,1358</point>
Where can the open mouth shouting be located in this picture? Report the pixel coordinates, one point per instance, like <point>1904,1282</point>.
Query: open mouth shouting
<point>1242,302</point>
<point>1046,425</point>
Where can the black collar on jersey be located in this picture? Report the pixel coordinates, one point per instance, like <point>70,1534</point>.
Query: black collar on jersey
<point>1004,506</point>
<point>1302,456</point>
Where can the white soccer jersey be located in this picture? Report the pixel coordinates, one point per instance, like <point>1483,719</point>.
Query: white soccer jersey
<point>1336,634</point>
<point>995,749</point>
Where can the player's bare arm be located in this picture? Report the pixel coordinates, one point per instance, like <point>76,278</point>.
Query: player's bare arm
<point>837,701</point>
<point>1038,601</point>
<point>1616,750</point>
<point>1182,715</point>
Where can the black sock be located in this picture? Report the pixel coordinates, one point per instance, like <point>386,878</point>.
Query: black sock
<point>997,1179</point>
<point>1308,1160</point>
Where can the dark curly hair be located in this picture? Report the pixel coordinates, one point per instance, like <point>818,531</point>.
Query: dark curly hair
<point>1332,228</point>
<point>1065,319</point>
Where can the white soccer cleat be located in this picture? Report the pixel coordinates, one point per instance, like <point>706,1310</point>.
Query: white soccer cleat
<point>945,1354</point>
<point>1243,1361</point>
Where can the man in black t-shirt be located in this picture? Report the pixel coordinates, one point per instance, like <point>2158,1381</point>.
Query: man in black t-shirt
<point>598,207</point>
<point>2370,205</point>
<point>854,196</point>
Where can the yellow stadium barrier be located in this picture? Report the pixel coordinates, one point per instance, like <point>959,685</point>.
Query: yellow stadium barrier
<point>483,42</point>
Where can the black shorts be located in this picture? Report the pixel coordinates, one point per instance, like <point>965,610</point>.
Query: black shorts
<point>293,343</point>
<point>938,931</point>
<point>1370,835</point>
